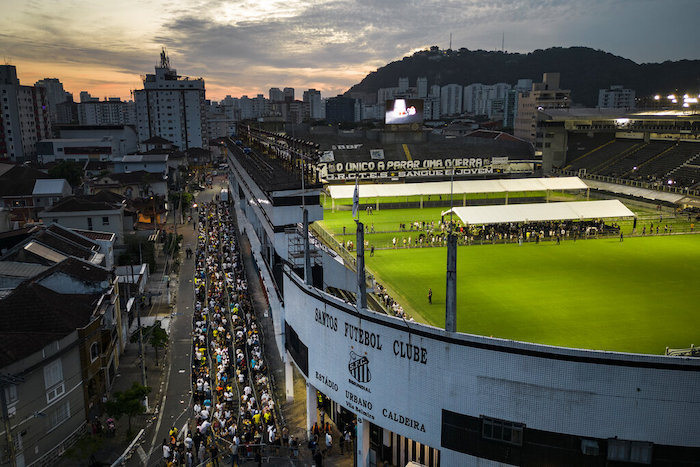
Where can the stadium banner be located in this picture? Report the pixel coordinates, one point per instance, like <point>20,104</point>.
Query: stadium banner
<point>400,375</point>
<point>388,169</point>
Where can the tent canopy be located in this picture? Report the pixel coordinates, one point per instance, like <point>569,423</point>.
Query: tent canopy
<point>506,185</point>
<point>541,212</point>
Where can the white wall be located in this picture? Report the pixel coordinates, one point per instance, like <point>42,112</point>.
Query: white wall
<point>578,392</point>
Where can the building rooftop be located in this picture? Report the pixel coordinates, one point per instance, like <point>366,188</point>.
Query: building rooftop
<point>133,158</point>
<point>139,177</point>
<point>78,269</point>
<point>20,269</point>
<point>271,174</point>
<point>95,235</point>
<point>81,204</point>
<point>156,140</point>
<point>51,186</point>
<point>32,316</point>
<point>20,181</point>
<point>69,234</point>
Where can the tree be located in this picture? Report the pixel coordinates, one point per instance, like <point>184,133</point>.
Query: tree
<point>129,402</point>
<point>70,170</point>
<point>157,336</point>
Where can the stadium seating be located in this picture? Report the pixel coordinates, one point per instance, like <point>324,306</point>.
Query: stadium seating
<point>658,167</point>
<point>625,165</point>
<point>581,143</point>
<point>635,159</point>
<point>602,154</point>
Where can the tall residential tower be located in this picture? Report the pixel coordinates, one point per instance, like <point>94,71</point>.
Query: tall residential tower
<point>172,107</point>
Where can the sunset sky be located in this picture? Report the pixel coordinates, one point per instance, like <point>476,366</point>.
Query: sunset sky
<point>245,46</point>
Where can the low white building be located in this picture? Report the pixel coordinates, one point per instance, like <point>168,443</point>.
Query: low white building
<point>87,213</point>
<point>48,192</point>
<point>617,97</point>
<point>151,163</point>
<point>76,149</point>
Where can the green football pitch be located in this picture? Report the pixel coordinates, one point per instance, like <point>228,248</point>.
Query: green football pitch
<point>640,295</point>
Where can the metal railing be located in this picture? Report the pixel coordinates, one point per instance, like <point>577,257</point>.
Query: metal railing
<point>656,186</point>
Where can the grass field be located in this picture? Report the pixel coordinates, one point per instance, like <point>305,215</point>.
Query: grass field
<point>639,295</point>
<point>386,223</point>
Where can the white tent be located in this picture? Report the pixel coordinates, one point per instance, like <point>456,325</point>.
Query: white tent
<point>541,212</point>
<point>459,187</point>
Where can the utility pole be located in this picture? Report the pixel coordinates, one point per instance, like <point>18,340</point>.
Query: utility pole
<point>5,381</point>
<point>141,353</point>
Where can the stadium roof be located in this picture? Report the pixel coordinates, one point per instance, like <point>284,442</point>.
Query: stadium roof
<point>505,185</point>
<point>539,212</point>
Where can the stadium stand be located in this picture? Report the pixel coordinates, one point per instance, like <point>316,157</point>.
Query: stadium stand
<point>626,162</point>
<point>662,164</point>
<point>635,159</point>
<point>601,154</point>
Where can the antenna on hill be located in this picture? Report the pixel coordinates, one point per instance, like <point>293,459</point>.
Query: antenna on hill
<point>503,41</point>
<point>450,42</point>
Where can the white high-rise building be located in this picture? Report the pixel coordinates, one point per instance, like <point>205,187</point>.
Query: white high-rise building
<point>276,95</point>
<point>483,99</point>
<point>172,107</point>
<point>55,94</point>
<point>617,97</point>
<point>403,84</point>
<point>312,98</point>
<point>422,86</point>
<point>113,111</point>
<point>451,99</point>
<point>24,116</point>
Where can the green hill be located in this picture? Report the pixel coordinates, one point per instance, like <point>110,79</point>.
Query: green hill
<point>583,70</point>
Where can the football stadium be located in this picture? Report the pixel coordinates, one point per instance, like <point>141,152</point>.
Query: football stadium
<point>475,300</point>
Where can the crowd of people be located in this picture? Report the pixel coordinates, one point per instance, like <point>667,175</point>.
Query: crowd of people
<point>233,407</point>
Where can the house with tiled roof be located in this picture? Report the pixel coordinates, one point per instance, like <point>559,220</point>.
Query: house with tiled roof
<point>91,212</point>
<point>48,246</point>
<point>22,187</point>
<point>61,335</point>
<point>132,185</point>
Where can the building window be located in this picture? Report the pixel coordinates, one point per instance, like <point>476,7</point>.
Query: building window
<point>53,380</point>
<point>105,220</point>
<point>89,221</point>
<point>59,414</point>
<point>94,351</point>
<point>503,431</point>
<point>11,394</point>
<point>629,451</point>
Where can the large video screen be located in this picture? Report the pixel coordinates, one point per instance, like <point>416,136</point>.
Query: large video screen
<point>402,111</point>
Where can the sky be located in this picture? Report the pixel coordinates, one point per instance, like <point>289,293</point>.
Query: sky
<point>248,46</point>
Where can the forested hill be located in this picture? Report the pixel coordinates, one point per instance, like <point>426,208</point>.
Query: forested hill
<point>583,70</point>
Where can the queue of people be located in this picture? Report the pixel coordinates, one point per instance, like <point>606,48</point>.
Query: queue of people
<point>233,407</point>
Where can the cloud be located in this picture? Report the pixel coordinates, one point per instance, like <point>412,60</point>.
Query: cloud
<point>252,45</point>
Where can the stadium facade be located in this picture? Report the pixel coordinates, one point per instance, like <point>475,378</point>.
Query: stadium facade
<point>424,394</point>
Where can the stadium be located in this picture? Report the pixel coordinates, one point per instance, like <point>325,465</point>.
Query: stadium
<point>567,339</point>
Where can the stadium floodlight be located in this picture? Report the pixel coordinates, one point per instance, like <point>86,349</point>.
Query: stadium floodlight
<point>657,97</point>
<point>670,182</point>
<point>685,96</point>
<point>675,101</point>
<point>690,100</point>
<point>670,97</point>
<point>686,105</point>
